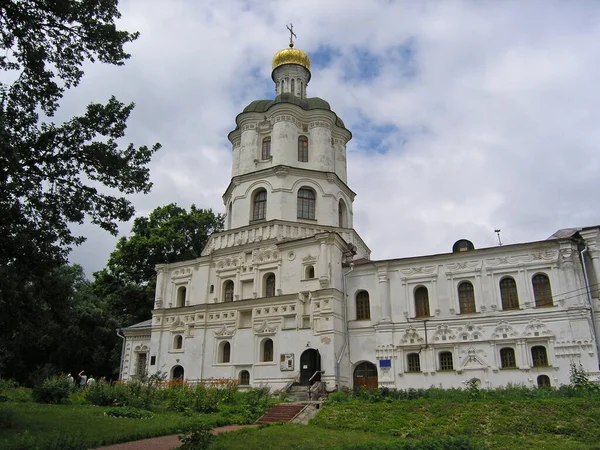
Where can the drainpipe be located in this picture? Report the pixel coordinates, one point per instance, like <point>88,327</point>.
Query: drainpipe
<point>122,354</point>
<point>346,337</point>
<point>591,301</point>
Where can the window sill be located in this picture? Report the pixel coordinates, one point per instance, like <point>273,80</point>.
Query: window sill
<point>413,372</point>
<point>306,219</point>
<point>266,363</point>
<point>509,368</point>
<point>178,350</point>
<point>257,220</point>
<point>221,364</point>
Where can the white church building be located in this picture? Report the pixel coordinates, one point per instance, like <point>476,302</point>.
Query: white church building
<point>288,293</point>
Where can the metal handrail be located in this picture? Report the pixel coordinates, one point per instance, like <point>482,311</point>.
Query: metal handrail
<point>314,375</point>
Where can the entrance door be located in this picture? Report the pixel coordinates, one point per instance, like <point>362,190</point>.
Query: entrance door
<point>177,373</point>
<point>310,362</point>
<point>365,375</point>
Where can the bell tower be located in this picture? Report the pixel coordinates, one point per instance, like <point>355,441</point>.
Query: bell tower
<point>289,155</point>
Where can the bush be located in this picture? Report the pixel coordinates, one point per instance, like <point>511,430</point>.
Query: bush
<point>427,444</point>
<point>6,417</point>
<point>26,441</point>
<point>199,438</point>
<point>338,397</point>
<point>127,412</point>
<point>52,390</point>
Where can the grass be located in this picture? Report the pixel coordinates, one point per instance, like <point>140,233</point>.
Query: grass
<point>45,422</point>
<point>559,423</point>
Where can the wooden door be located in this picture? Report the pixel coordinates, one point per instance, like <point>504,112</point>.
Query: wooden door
<point>365,375</point>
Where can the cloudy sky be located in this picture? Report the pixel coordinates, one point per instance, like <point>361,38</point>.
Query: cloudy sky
<point>467,116</point>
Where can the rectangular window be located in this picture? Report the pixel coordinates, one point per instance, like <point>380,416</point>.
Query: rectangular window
<point>141,364</point>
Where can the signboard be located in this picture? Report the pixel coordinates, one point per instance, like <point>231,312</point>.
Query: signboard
<point>385,363</point>
<point>286,361</point>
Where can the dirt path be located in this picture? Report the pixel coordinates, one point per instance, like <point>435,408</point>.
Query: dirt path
<point>166,442</point>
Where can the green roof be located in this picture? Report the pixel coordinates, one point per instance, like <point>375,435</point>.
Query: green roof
<point>261,106</point>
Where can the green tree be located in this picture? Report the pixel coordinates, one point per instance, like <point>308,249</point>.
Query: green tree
<point>169,234</point>
<point>55,174</point>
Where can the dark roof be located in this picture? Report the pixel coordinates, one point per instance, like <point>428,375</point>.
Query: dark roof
<point>261,106</point>
<point>140,325</point>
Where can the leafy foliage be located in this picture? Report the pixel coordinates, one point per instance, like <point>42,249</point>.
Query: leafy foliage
<point>169,234</point>
<point>54,390</point>
<point>128,412</point>
<point>198,438</point>
<point>54,174</point>
<point>580,379</point>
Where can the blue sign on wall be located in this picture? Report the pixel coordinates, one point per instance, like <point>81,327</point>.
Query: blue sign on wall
<point>385,363</point>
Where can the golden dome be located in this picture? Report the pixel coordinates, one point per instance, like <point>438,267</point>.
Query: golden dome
<point>291,56</point>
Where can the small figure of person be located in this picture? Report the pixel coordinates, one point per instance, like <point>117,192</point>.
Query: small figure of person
<point>82,379</point>
<point>91,380</point>
<point>70,378</point>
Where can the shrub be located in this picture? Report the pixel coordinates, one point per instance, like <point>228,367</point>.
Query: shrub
<point>427,444</point>
<point>6,417</point>
<point>199,438</point>
<point>580,380</point>
<point>128,412</point>
<point>337,397</point>
<point>26,441</point>
<point>52,390</point>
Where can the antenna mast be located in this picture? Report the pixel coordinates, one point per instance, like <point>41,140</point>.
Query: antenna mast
<point>497,231</point>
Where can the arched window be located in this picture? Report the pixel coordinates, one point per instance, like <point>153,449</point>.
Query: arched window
<point>541,290</point>
<point>303,149</point>
<point>259,205</point>
<point>226,352</point>
<point>543,381</point>
<point>266,148</point>
<point>309,273</point>
<point>301,89</point>
<point>267,350</point>
<point>466,298</point>
<point>212,288</point>
<point>244,378</point>
<point>342,214</point>
<point>508,293</point>
<point>177,373</point>
<point>178,342</point>
<point>507,358</point>
<point>306,204</point>
<point>270,285</point>
<point>413,363</point>
<point>421,302</point>
<point>363,309</point>
<point>539,356</point>
<point>293,86</point>
<point>446,361</point>
<point>181,296</point>
<point>228,291</point>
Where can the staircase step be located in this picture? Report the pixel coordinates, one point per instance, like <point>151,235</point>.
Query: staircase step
<point>283,412</point>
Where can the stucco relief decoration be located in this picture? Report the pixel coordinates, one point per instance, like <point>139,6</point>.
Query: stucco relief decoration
<point>230,261</point>
<point>411,337</point>
<point>423,270</point>
<point>544,255</point>
<point>266,254</point>
<point>443,333</point>
<point>536,328</point>
<point>264,125</point>
<point>504,330</point>
<point>141,348</point>
<point>465,266</point>
<point>319,124</point>
<point>573,349</point>
<point>177,324</point>
<point>264,328</point>
<point>309,259</point>
<point>182,273</point>
<point>224,332</point>
<point>472,359</point>
<point>385,351</point>
<point>470,332</point>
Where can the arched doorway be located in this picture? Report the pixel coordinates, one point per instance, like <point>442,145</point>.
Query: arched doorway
<point>310,364</point>
<point>177,373</point>
<point>365,375</point>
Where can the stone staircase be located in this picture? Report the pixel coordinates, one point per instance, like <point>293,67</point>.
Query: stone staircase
<point>283,412</point>
<point>298,393</point>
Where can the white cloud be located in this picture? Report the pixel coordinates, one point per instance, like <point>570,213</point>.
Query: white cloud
<point>488,121</point>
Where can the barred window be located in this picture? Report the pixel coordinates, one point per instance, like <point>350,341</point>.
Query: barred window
<point>303,149</point>
<point>508,293</point>
<point>244,378</point>
<point>466,298</point>
<point>178,342</point>
<point>413,363</point>
<point>543,381</point>
<point>539,356</point>
<point>259,209</point>
<point>270,285</point>
<point>226,355</point>
<point>541,290</point>
<point>507,358</point>
<point>228,291</point>
<point>306,204</point>
<point>266,148</point>
<point>422,302</point>
<point>267,350</point>
<point>446,361</point>
<point>363,309</point>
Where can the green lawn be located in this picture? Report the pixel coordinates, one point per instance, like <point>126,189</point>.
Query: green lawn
<point>85,422</point>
